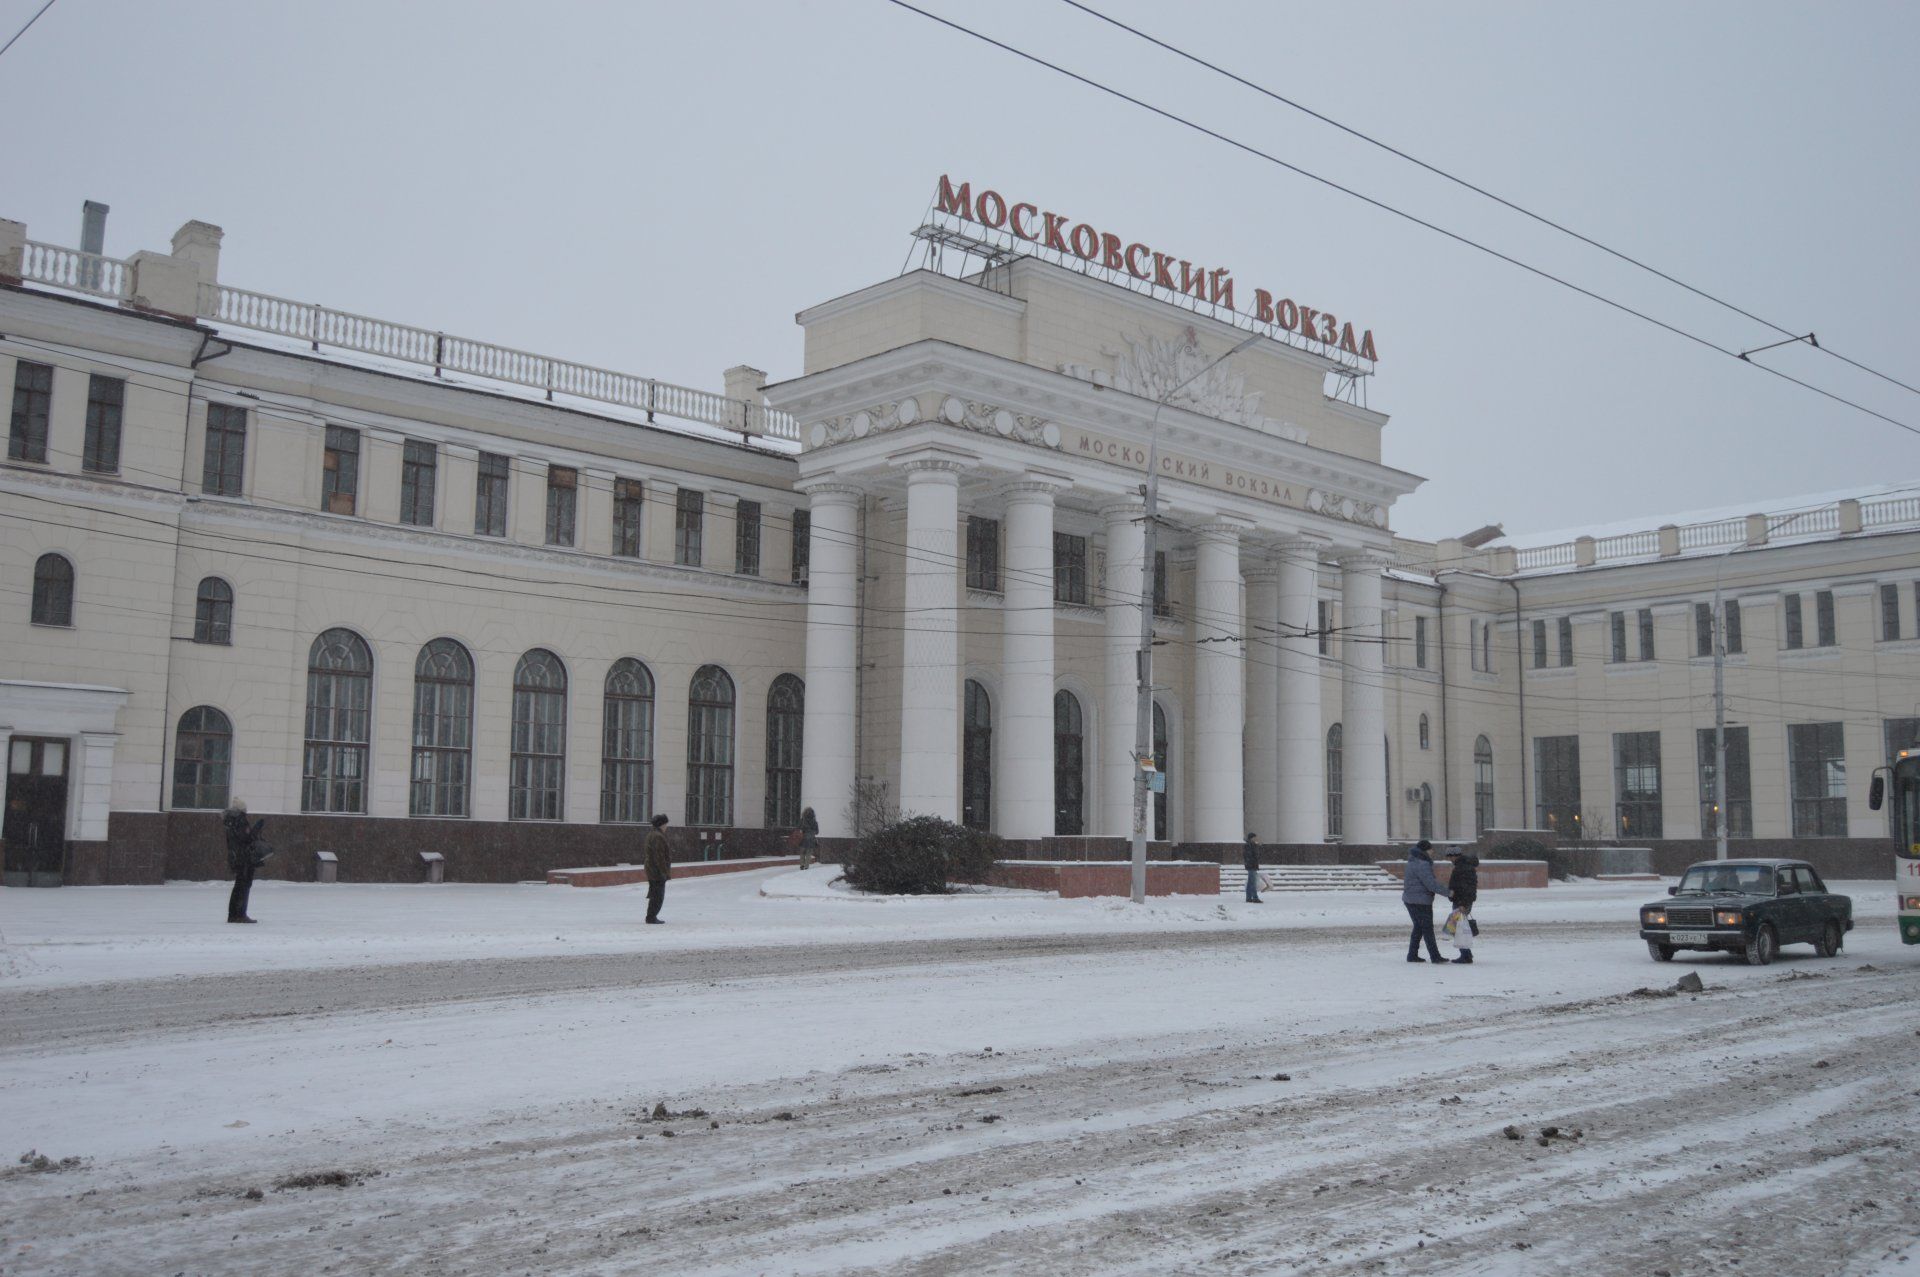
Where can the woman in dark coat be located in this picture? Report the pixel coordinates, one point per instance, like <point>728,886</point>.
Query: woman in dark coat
<point>244,855</point>
<point>1464,885</point>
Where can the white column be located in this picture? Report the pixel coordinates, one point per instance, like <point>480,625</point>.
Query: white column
<point>1263,698</point>
<point>1300,750</point>
<point>1025,804</point>
<point>930,648</point>
<point>827,759</point>
<point>1126,548</point>
<point>1363,701</point>
<point>1219,710</point>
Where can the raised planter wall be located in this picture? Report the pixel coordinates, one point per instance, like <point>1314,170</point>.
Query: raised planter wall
<point>1075,879</point>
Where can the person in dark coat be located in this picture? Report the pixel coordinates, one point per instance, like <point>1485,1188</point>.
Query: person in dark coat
<point>1250,857</point>
<point>1464,887</point>
<point>1417,894</point>
<point>809,837</point>
<point>245,853</point>
<point>659,861</point>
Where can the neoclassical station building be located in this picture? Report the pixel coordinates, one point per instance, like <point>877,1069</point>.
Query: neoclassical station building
<point>411,592</point>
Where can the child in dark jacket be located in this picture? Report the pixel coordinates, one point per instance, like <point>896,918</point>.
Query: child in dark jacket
<point>1464,887</point>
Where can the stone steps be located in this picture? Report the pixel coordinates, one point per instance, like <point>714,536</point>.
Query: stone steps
<point>1233,878</point>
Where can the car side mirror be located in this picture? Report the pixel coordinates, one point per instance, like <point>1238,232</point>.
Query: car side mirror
<point>1876,793</point>
<point>1673,891</point>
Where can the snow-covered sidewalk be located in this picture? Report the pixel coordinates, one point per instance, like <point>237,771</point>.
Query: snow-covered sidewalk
<point>91,934</point>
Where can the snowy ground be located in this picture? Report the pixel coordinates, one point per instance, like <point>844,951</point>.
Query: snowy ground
<point>984,1084</point>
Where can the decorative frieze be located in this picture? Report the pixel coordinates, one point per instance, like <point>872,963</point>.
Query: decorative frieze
<point>981,418</point>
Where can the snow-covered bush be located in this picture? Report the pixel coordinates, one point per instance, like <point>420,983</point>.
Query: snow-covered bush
<point>919,856</point>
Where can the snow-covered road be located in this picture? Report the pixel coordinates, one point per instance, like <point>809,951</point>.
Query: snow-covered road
<point>953,1086</point>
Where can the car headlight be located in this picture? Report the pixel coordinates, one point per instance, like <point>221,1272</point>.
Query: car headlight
<point>1729,917</point>
<point>1655,917</point>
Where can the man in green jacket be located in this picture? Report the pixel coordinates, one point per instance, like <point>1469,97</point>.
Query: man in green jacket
<point>659,863</point>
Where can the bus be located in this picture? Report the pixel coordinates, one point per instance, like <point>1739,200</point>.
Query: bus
<point>1900,785</point>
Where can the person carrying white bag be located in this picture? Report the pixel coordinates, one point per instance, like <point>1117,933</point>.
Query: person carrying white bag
<point>1464,886</point>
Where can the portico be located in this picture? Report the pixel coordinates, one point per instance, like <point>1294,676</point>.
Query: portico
<point>974,458</point>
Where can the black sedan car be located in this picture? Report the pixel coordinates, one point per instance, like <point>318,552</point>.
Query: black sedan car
<point>1747,907</point>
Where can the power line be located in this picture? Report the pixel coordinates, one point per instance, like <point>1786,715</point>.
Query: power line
<point>1437,171</point>
<point>1385,207</point>
<point>23,30</point>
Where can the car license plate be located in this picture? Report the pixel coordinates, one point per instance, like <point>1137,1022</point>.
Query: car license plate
<point>1689,937</point>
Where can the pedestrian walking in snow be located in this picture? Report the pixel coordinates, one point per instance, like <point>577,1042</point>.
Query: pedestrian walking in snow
<point>809,837</point>
<point>1417,894</point>
<point>1464,887</point>
<point>1250,857</point>
<point>245,854</point>
<point>659,862</point>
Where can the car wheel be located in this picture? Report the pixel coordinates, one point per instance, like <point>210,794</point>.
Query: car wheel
<point>1660,952</point>
<point>1828,946</point>
<point>1765,945</point>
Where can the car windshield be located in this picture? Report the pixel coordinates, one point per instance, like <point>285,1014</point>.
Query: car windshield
<point>1746,880</point>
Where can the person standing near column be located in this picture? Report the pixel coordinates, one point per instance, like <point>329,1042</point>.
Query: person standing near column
<point>244,855</point>
<point>659,860</point>
<point>1250,857</point>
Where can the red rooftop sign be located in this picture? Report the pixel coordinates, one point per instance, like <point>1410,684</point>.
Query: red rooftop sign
<point>1103,248</point>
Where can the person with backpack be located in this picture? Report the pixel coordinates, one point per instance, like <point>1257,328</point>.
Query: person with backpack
<point>1421,886</point>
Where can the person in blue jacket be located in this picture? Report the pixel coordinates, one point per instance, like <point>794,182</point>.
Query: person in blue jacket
<point>1418,893</point>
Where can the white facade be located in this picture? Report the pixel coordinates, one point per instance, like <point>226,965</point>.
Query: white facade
<point>964,612</point>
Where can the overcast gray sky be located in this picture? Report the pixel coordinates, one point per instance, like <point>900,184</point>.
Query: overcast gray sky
<point>659,187</point>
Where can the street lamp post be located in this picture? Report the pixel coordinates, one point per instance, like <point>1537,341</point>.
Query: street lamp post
<point>1143,710</point>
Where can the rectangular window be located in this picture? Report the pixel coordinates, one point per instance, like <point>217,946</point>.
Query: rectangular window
<point>1069,568</point>
<point>1823,617</point>
<point>1618,623</point>
<point>1539,644</point>
<point>1902,733</point>
<point>32,401</point>
<point>1162,585</point>
<point>746,538</point>
<point>1646,633</point>
<point>688,510</point>
<point>1566,640</point>
<point>1889,613</point>
<point>1636,784</point>
<point>106,401</point>
<point>340,471</point>
<point>1703,629</point>
<point>1739,785</point>
<point>419,463</point>
<point>802,545</point>
<point>226,452</point>
<point>1790,609</point>
<point>1730,618</point>
<point>1324,626</point>
<point>563,502</point>
<point>1556,773</point>
<point>627,512</point>
<point>983,553</point>
<point>490,496</point>
<point>1420,642</point>
<point>1817,771</point>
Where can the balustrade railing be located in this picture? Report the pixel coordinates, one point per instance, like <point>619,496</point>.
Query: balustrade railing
<point>1628,545</point>
<point>1878,514</point>
<point>322,326</point>
<point>1545,556</point>
<point>1701,536</point>
<point>74,270</point>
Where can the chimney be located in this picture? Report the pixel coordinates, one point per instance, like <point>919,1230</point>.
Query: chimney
<point>93,239</point>
<point>199,244</point>
<point>743,384</point>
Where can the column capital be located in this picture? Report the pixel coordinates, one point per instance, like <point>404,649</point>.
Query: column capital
<point>932,465</point>
<point>1262,569</point>
<point>827,492</point>
<point>1123,510</point>
<point>1296,545</point>
<point>1034,486</point>
<point>1363,560</point>
<point>1225,529</point>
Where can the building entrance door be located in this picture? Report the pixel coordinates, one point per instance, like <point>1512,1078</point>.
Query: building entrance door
<point>35,827</point>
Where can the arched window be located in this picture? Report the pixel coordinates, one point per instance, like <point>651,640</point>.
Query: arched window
<point>626,744</point>
<point>976,759</point>
<point>1426,810</point>
<point>1334,748</point>
<point>537,765</point>
<point>1426,739</point>
<point>213,612</point>
<point>1069,765</point>
<point>339,723</point>
<point>710,748</point>
<point>202,759</point>
<point>1482,785</point>
<point>442,730</point>
<point>1162,753</point>
<point>786,716</point>
<point>53,590</point>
